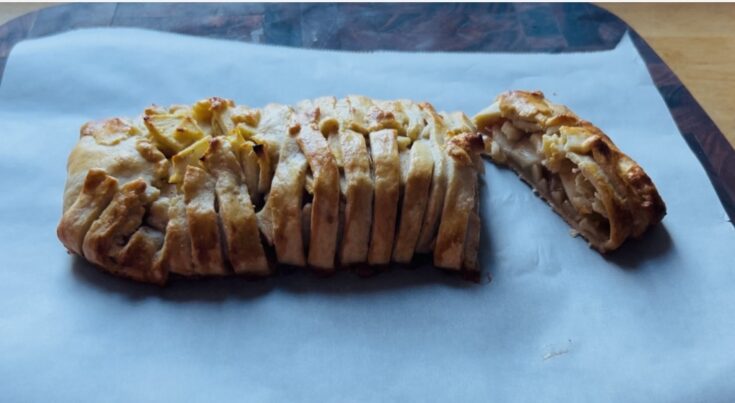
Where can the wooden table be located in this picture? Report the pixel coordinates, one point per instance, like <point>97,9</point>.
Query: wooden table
<point>696,41</point>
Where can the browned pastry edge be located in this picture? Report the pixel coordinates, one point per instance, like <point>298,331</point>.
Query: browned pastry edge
<point>631,213</point>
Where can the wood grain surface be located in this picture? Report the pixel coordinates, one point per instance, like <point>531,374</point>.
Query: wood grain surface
<point>698,42</point>
<point>693,43</point>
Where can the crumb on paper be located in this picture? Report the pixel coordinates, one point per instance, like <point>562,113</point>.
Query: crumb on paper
<point>556,351</point>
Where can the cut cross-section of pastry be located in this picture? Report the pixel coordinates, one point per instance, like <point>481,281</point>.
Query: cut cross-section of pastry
<point>600,191</point>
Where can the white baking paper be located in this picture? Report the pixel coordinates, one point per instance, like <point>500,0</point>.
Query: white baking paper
<point>654,322</point>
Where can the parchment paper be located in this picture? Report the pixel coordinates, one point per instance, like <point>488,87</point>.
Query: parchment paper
<point>652,323</point>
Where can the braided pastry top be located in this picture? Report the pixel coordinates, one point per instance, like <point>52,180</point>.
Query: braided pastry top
<point>216,188</point>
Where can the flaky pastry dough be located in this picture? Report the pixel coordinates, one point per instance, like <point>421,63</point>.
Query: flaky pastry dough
<point>216,188</point>
<point>600,191</point>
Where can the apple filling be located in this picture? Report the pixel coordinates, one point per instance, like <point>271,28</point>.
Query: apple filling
<point>558,175</point>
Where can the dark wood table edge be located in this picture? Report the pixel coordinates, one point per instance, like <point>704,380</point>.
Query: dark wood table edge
<point>700,132</point>
<point>704,138</point>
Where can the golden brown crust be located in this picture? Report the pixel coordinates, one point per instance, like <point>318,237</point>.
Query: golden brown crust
<point>280,219</point>
<point>436,130</point>
<point>459,203</point>
<point>113,146</point>
<point>214,188</point>
<point>175,255</point>
<point>386,173</point>
<point>105,243</point>
<point>95,195</point>
<point>325,204</point>
<point>631,202</point>
<point>199,197</point>
<point>415,198</point>
<point>239,224</point>
<point>358,198</point>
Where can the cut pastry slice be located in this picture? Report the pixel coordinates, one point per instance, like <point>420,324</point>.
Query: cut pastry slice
<point>601,192</point>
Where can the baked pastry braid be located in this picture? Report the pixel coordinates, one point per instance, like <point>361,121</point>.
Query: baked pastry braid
<point>601,192</point>
<point>215,188</point>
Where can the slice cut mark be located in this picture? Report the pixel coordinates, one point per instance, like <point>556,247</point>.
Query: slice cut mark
<point>244,249</point>
<point>387,176</point>
<point>358,198</point>
<point>250,169</point>
<point>265,169</point>
<point>415,199</point>
<point>306,224</point>
<point>199,196</point>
